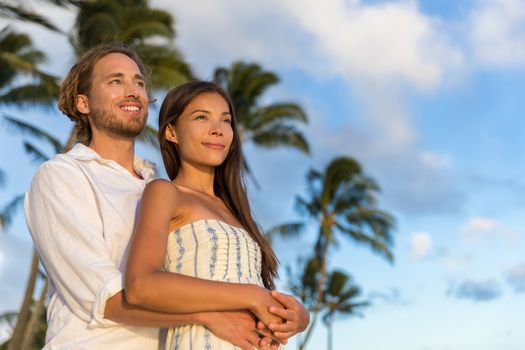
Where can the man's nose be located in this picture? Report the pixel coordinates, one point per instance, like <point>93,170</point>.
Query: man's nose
<point>132,90</point>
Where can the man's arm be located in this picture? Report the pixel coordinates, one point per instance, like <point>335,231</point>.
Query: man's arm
<point>63,218</point>
<point>236,327</point>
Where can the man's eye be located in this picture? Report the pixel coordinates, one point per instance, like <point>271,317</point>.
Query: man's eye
<point>141,83</point>
<point>115,81</point>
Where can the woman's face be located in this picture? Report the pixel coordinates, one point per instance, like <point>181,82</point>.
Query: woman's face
<point>203,131</point>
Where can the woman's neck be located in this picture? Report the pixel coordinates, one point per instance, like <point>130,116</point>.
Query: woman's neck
<point>199,179</point>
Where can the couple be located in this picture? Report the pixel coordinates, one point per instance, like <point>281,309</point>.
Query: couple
<point>111,289</point>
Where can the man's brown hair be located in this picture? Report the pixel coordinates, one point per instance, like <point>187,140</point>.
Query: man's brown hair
<point>78,82</point>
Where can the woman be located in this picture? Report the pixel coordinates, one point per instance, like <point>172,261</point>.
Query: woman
<point>199,224</point>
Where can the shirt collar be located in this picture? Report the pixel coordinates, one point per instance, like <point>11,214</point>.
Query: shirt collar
<point>146,169</point>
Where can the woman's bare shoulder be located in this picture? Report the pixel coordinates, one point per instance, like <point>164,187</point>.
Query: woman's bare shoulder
<point>161,191</point>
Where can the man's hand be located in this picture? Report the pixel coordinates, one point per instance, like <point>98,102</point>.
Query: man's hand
<point>295,316</point>
<point>238,328</point>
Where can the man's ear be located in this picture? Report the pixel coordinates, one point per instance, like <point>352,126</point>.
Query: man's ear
<point>170,134</point>
<point>82,104</point>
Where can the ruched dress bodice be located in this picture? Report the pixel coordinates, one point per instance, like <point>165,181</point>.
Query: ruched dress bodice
<point>213,250</point>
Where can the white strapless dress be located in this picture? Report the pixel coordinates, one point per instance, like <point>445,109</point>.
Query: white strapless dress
<point>213,250</point>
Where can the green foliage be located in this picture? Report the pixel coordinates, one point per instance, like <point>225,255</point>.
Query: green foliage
<point>269,126</point>
<point>16,11</point>
<point>342,200</point>
<point>18,58</point>
<point>149,31</point>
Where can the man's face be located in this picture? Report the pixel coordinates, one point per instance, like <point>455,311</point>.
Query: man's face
<point>117,103</point>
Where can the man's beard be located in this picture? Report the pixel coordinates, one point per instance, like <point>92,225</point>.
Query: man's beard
<point>108,121</point>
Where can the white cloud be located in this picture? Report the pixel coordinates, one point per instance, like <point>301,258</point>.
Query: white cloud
<point>387,41</point>
<point>477,228</point>
<point>497,32</point>
<point>420,245</point>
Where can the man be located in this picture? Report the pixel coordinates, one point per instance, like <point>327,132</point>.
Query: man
<point>80,211</point>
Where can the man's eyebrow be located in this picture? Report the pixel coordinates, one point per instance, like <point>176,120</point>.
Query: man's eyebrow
<point>121,75</point>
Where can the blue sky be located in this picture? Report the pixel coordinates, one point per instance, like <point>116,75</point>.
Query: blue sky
<point>426,95</point>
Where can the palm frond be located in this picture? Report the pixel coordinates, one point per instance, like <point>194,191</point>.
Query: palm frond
<point>376,244</point>
<point>278,112</point>
<point>7,213</point>
<point>286,231</point>
<point>42,94</point>
<point>22,127</point>
<point>37,155</point>
<point>340,170</point>
<point>169,68</point>
<point>23,14</point>
<point>2,178</point>
<point>281,135</point>
<point>145,29</point>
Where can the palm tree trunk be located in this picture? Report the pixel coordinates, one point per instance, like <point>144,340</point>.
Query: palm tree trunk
<point>24,313</point>
<point>309,332</point>
<point>329,335</point>
<point>34,321</point>
<point>322,273</point>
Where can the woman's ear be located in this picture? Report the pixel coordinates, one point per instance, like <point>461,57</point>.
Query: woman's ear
<point>170,134</point>
<point>82,104</point>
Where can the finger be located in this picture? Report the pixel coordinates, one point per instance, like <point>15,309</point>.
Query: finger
<point>282,327</point>
<point>284,336</point>
<point>286,300</point>
<point>275,346</point>
<point>261,326</point>
<point>282,313</point>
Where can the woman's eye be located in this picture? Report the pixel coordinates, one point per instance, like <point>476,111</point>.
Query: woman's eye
<point>200,117</point>
<point>141,83</point>
<point>228,121</point>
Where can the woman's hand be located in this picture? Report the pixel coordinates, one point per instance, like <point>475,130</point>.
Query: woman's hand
<point>295,316</point>
<point>261,303</point>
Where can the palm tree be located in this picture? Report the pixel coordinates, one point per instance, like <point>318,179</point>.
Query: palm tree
<point>269,126</point>
<point>28,325</point>
<point>149,31</point>
<point>141,27</point>
<point>338,299</point>
<point>18,57</point>
<point>341,200</point>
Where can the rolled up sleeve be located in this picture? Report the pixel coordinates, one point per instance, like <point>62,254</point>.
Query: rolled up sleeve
<point>64,221</point>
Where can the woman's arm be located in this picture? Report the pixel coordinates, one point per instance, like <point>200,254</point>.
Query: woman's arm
<point>147,285</point>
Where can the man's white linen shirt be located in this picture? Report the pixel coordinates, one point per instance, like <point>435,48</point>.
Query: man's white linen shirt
<point>80,210</point>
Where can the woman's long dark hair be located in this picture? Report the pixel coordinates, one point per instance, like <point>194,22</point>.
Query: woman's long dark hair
<point>229,180</point>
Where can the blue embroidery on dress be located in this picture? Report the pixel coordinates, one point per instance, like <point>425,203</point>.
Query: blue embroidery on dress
<point>181,250</point>
<point>213,255</point>
<point>177,339</point>
<point>207,339</point>
<point>239,272</point>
